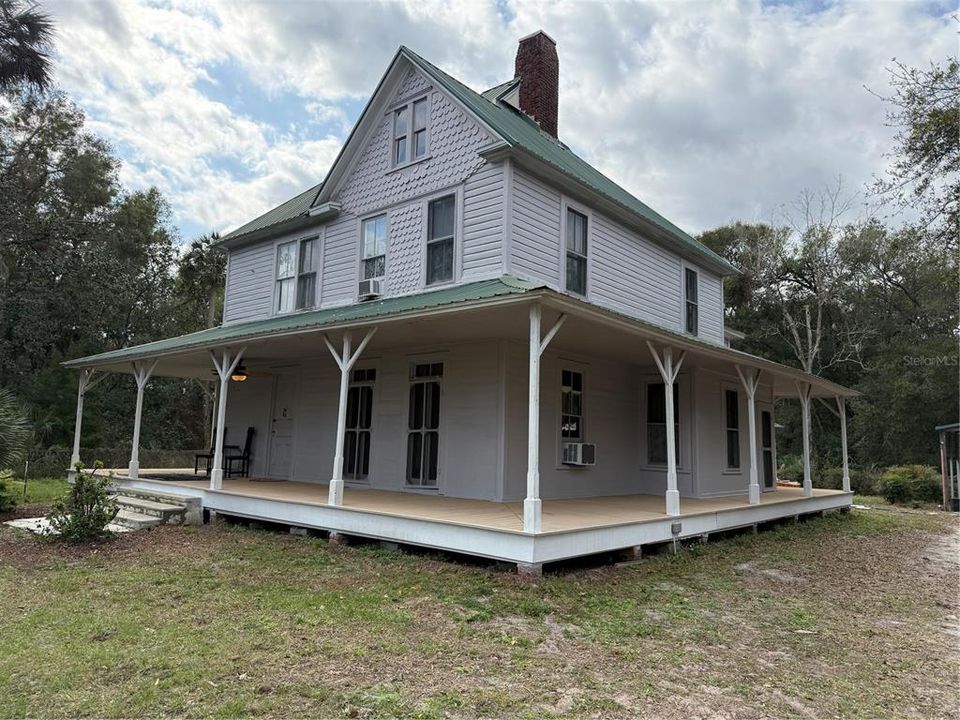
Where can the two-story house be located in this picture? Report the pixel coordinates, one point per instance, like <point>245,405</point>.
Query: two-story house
<point>467,337</point>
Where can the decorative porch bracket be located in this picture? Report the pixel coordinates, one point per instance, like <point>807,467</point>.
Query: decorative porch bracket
<point>669,371</point>
<point>345,361</point>
<point>803,392</point>
<point>841,414</point>
<point>750,383</point>
<point>532,506</point>
<point>88,380</point>
<point>142,370</point>
<point>225,364</point>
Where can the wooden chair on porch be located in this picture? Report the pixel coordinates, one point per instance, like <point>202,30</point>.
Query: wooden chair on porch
<point>208,457</point>
<point>239,463</point>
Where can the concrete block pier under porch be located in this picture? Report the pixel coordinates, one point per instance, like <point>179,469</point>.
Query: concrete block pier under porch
<point>571,527</point>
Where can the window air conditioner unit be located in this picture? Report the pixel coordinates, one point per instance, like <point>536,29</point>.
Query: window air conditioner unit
<point>580,454</point>
<point>370,289</point>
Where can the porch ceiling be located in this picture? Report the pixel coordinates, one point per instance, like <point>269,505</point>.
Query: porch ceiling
<point>498,311</point>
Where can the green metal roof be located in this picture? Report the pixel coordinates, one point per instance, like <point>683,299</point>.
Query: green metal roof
<point>521,131</point>
<point>315,319</point>
<point>498,91</point>
<point>518,131</point>
<point>293,208</point>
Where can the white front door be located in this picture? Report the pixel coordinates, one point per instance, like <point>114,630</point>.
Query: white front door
<point>281,426</point>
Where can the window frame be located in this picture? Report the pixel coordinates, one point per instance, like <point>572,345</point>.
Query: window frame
<point>679,418</point>
<point>412,363</point>
<point>373,385</point>
<point>410,135</point>
<point>684,300</point>
<point>728,469</point>
<point>361,260</point>
<point>582,438</point>
<point>457,194</point>
<point>318,271</point>
<point>566,206</point>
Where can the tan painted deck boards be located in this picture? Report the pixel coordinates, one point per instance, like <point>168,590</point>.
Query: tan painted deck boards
<point>558,515</point>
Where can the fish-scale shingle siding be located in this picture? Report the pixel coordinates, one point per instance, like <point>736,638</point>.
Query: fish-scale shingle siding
<point>454,141</point>
<point>404,249</point>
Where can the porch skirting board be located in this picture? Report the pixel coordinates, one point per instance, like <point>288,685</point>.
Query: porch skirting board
<point>498,543</point>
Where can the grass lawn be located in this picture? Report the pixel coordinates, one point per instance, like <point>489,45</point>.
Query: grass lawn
<point>842,616</point>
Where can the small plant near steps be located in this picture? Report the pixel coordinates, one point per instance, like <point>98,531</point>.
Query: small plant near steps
<point>139,509</point>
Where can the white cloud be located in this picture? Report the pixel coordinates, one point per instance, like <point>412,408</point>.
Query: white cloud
<point>705,110</point>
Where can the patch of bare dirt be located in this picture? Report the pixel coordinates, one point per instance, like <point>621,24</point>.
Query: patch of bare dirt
<point>27,552</point>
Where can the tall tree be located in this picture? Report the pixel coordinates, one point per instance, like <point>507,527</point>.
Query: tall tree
<point>26,35</point>
<point>925,171</point>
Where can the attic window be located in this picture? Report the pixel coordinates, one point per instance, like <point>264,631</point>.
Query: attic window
<point>410,132</point>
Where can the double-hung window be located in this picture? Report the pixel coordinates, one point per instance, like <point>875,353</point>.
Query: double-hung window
<point>375,247</point>
<point>576,252</point>
<point>297,263</point>
<point>410,132</point>
<point>657,423</point>
<point>732,415</point>
<point>571,406</point>
<point>690,301</point>
<point>441,224</point>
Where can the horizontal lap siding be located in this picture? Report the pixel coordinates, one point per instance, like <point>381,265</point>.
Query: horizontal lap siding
<point>535,238</point>
<point>340,260</point>
<point>250,283</point>
<point>483,222</point>
<point>633,276</point>
<point>711,307</point>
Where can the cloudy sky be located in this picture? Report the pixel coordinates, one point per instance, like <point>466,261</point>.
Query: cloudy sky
<point>708,111</point>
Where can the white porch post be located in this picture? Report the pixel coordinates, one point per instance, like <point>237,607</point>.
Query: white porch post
<point>85,383</point>
<point>532,505</point>
<point>669,371</point>
<point>225,365</point>
<point>750,383</point>
<point>842,410</point>
<point>345,361</point>
<point>803,392</point>
<point>141,373</point>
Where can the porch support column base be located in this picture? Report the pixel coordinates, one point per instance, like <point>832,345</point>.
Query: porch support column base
<point>335,496</point>
<point>754,494</point>
<point>532,515</point>
<point>530,570</point>
<point>216,478</point>
<point>673,502</point>
<point>133,470</point>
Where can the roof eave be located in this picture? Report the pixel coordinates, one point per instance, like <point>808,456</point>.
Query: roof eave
<point>316,216</point>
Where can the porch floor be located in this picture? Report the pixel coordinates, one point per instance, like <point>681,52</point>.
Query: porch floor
<point>559,516</point>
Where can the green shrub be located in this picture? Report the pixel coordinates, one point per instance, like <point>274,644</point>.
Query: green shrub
<point>8,500</point>
<point>863,481</point>
<point>911,484</point>
<point>791,469</point>
<point>87,509</point>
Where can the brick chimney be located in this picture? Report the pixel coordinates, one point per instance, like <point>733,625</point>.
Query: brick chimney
<point>538,68</point>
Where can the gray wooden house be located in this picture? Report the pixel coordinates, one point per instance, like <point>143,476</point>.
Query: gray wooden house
<point>468,338</point>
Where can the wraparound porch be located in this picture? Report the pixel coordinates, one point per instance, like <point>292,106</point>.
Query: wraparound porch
<point>571,527</point>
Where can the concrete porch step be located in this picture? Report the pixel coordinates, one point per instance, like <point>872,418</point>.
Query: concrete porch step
<point>166,511</point>
<point>167,507</point>
<point>136,520</point>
